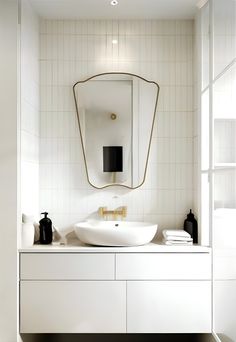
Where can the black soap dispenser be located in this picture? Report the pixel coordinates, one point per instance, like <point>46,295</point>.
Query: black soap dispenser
<point>190,226</point>
<point>45,229</point>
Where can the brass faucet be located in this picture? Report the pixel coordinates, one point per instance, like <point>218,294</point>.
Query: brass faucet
<point>103,212</point>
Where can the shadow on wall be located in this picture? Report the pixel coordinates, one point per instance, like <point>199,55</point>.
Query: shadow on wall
<point>116,337</point>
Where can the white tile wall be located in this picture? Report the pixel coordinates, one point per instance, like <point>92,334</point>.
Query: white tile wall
<point>29,110</point>
<point>158,50</point>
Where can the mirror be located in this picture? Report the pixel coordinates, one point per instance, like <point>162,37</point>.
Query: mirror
<point>116,113</point>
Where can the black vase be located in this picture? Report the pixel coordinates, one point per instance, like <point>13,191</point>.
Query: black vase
<point>190,226</point>
<point>45,230</point>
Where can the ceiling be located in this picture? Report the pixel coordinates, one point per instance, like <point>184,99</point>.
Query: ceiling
<point>126,9</point>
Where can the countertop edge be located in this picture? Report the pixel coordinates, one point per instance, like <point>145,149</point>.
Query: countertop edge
<point>82,248</point>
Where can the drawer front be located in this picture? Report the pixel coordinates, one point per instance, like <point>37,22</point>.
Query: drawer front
<point>72,307</point>
<point>169,306</point>
<point>64,266</point>
<point>163,266</point>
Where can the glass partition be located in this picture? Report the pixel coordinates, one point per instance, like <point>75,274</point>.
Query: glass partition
<point>224,169</point>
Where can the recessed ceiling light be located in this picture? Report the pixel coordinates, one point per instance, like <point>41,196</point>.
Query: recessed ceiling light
<point>114,2</point>
<point>114,41</point>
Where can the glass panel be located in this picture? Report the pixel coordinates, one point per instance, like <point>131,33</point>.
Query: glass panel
<point>224,105</point>
<point>224,14</point>
<point>224,253</point>
<point>225,143</point>
<point>225,189</point>
<point>224,95</point>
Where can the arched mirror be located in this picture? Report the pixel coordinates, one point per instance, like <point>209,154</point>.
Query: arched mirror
<point>116,113</point>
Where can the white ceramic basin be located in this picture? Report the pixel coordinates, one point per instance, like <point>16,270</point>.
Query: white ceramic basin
<point>115,233</point>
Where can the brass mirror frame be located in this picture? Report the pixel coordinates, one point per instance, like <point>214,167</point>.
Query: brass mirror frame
<point>151,133</point>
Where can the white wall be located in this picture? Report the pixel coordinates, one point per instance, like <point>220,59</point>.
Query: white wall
<point>157,50</point>
<point>29,110</point>
<point>8,170</point>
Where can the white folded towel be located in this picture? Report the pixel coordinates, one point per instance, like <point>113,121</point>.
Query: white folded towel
<point>175,232</point>
<point>177,243</point>
<point>178,238</point>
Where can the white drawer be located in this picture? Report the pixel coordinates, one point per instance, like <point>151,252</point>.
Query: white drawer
<point>169,306</point>
<point>73,307</point>
<point>163,266</point>
<point>48,266</point>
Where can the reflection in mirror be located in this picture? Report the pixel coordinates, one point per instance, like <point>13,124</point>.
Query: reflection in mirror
<point>116,113</point>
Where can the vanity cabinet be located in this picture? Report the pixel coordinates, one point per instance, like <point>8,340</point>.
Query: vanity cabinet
<point>115,292</point>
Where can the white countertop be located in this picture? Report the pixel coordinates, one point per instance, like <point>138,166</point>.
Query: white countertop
<point>79,247</point>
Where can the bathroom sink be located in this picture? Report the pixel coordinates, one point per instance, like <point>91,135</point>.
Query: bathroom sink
<point>115,233</point>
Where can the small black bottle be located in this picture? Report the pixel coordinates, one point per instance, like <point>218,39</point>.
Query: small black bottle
<point>190,226</point>
<point>45,229</point>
